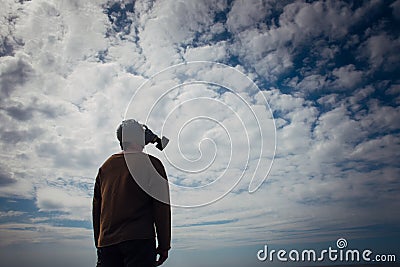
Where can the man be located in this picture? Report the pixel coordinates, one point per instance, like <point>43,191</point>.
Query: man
<point>131,205</point>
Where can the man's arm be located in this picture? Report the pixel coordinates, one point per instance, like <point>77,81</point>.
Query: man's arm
<point>162,218</point>
<point>96,209</point>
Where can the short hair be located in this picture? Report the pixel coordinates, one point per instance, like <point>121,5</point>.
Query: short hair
<point>133,133</point>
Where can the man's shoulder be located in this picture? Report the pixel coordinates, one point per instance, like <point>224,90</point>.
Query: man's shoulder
<point>112,159</point>
<point>120,158</point>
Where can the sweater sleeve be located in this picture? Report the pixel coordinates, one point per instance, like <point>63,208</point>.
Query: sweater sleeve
<point>96,209</point>
<point>162,215</point>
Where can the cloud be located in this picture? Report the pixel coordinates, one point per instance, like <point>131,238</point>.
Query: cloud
<point>381,50</point>
<point>336,134</point>
<point>15,233</point>
<point>272,49</point>
<point>246,14</point>
<point>8,19</point>
<point>15,71</point>
<point>382,149</point>
<point>10,213</point>
<point>396,9</point>
<point>15,136</point>
<point>216,52</point>
<point>310,83</point>
<point>17,186</point>
<point>58,33</point>
<point>75,204</point>
<point>347,76</point>
<point>394,89</point>
<point>5,178</point>
<point>20,113</point>
<point>330,18</point>
<point>160,33</point>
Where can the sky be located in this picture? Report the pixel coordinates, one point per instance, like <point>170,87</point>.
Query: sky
<point>283,120</point>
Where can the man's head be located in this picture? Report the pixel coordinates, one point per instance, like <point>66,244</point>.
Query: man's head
<point>130,133</point>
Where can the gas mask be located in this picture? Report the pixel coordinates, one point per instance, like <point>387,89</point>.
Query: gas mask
<point>150,137</point>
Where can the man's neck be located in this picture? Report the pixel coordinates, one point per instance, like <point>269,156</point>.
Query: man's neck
<point>134,148</point>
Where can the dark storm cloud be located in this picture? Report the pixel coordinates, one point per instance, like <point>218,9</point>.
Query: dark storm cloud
<point>14,72</point>
<point>26,111</point>
<point>8,41</point>
<point>20,113</point>
<point>6,47</point>
<point>15,136</point>
<point>5,178</point>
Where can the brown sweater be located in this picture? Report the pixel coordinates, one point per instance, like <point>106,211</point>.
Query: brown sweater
<point>122,210</point>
